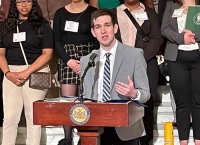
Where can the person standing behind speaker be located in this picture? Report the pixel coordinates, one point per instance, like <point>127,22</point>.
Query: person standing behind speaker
<point>73,39</point>
<point>182,57</point>
<point>36,37</point>
<point>147,20</point>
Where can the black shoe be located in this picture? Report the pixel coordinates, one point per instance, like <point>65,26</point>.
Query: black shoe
<point>65,142</point>
<point>174,124</point>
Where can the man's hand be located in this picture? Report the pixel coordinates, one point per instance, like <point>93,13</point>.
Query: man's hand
<point>188,37</point>
<point>126,89</point>
<point>74,65</point>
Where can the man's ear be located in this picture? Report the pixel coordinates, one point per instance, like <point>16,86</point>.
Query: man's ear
<point>93,33</point>
<point>115,28</point>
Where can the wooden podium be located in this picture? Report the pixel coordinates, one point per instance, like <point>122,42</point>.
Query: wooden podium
<point>88,118</point>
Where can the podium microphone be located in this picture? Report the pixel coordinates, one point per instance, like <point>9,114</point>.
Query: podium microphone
<point>91,63</point>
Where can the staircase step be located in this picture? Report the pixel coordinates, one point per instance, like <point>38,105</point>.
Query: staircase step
<point>159,131</point>
<point>162,107</point>
<point>50,135</point>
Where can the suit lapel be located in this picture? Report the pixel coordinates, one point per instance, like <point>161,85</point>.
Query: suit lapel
<point>174,20</point>
<point>117,62</point>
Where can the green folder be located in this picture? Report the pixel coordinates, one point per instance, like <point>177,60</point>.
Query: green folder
<point>193,18</point>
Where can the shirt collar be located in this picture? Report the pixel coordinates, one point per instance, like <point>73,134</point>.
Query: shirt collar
<point>123,7</point>
<point>112,51</point>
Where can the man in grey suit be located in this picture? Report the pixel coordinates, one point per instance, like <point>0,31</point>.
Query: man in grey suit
<point>128,78</point>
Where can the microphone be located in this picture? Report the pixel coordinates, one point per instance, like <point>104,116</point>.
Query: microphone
<point>91,63</point>
<point>92,58</point>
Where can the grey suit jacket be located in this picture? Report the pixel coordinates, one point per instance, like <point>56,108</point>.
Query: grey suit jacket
<point>169,29</point>
<point>128,61</point>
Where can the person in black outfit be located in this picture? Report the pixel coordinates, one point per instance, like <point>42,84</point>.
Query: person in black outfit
<point>24,21</point>
<point>73,39</point>
<point>150,27</point>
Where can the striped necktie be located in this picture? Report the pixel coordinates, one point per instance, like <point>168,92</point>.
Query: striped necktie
<point>106,79</point>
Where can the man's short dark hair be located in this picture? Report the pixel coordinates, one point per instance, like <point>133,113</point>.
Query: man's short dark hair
<point>103,12</point>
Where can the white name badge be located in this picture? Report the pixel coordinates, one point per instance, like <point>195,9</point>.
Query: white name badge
<point>177,13</point>
<point>71,26</point>
<point>19,37</point>
<point>141,16</point>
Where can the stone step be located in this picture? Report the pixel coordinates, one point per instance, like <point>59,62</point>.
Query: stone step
<point>50,135</point>
<point>163,117</point>
<point>163,94</point>
<point>163,107</point>
<point>159,131</point>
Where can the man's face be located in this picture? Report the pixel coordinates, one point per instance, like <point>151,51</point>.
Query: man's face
<point>104,31</point>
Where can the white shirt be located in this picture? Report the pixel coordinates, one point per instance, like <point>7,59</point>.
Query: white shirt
<point>101,68</point>
<point>127,29</point>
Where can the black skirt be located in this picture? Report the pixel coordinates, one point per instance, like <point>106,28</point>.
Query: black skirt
<point>65,74</point>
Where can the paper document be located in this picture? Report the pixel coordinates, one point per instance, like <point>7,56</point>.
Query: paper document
<point>193,18</point>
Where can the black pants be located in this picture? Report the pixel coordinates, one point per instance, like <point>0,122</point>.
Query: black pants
<point>185,83</point>
<point>1,99</point>
<point>110,137</point>
<point>148,119</point>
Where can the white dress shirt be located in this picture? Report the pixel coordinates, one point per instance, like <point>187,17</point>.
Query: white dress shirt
<point>101,68</point>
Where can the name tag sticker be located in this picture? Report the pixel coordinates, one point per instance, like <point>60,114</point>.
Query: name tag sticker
<point>141,16</point>
<point>71,26</point>
<point>177,13</point>
<point>19,37</point>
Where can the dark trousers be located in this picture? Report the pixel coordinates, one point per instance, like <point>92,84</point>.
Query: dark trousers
<point>185,83</point>
<point>110,137</point>
<point>148,119</point>
<point>1,99</point>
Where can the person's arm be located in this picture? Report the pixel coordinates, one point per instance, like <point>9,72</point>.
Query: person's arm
<point>166,30</point>
<point>94,3</point>
<point>59,47</point>
<point>41,61</point>
<point>72,63</point>
<point>137,87</point>
<point>155,39</point>
<point>149,3</point>
<point>12,76</point>
<point>47,50</point>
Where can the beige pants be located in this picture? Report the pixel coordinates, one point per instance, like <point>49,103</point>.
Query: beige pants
<point>14,99</point>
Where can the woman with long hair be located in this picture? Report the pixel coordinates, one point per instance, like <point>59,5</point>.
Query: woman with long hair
<point>182,56</point>
<point>36,38</point>
<point>73,39</point>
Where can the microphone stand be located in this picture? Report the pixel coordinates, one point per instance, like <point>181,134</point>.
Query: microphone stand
<point>90,64</point>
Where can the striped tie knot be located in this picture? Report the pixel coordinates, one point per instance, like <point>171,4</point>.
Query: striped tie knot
<point>108,55</point>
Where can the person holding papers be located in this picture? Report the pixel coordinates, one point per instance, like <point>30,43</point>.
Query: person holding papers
<point>183,58</point>
<point>119,74</point>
